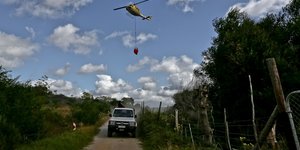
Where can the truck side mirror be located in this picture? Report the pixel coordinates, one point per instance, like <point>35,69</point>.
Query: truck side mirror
<point>110,115</point>
<point>135,116</point>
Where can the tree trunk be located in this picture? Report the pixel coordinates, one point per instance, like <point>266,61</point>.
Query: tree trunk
<point>204,122</point>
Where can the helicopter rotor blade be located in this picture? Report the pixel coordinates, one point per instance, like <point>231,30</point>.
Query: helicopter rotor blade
<point>140,2</point>
<point>120,8</point>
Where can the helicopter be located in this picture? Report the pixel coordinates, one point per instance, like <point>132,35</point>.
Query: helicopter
<point>134,10</point>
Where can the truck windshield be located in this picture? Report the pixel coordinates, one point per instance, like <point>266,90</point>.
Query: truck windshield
<point>123,113</point>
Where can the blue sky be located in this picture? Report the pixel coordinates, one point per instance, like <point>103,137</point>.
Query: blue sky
<point>86,46</point>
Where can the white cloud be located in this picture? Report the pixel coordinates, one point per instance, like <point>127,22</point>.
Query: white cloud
<point>174,65</point>
<point>62,87</point>
<point>145,61</point>
<point>67,38</point>
<point>116,34</point>
<point>151,98</point>
<point>185,5</point>
<point>90,68</point>
<point>64,70</point>
<point>180,70</point>
<point>259,8</point>
<point>180,80</point>
<point>179,74</point>
<point>129,40</point>
<point>143,37</point>
<point>14,50</point>
<point>105,85</point>
<point>147,83</point>
<point>166,91</point>
<point>31,31</point>
<point>47,8</point>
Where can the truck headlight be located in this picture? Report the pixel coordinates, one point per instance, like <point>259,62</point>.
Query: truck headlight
<point>132,124</point>
<point>112,122</point>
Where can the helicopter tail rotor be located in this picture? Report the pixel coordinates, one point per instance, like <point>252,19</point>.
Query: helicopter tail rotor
<point>147,18</point>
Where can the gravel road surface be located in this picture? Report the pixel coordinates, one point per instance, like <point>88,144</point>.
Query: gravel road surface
<point>117,142</point>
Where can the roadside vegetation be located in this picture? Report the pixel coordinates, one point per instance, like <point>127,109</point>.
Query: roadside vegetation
<point>159,132</point>
<point>32,117</point>
<point>239,50</point>
<point>70,140</point>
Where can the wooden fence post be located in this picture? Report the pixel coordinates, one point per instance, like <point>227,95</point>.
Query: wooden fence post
<point>176,120</point>
<point>253,111</point>
<point>280,110</point>
<point>227,130</point>
<point>191,133</point>
<point>159,109</point>
<point>279,96</point>
<point>281,103</point>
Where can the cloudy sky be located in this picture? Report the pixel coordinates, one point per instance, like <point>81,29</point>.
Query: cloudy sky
<point>86,46</point>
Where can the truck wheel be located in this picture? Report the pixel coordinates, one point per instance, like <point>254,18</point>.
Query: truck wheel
<point>133,134</point>
<point>109,133</point>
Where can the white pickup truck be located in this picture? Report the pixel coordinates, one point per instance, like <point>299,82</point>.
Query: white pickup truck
<point>122,120</point>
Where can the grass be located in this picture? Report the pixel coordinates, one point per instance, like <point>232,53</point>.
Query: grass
<point>69,140</point>
<point>72,140</point>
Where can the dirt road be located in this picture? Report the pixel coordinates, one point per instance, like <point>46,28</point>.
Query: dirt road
<point>117,142</point>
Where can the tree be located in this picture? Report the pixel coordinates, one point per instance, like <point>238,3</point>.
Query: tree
<point>194,106</point>
<point>240,49</point>
<point>128,101</point>
<point>87,96</point>
<point>20,111</point>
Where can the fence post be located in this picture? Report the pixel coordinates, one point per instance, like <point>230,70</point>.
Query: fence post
<point>279,96</point>
<point>253,110</point>
<point>143,107</point>
<point>176,120</point>
<point>159,109</point>
<point>192,137</point>
<point>266,130</point>
<point>227,130</point>
<point>280,99</point>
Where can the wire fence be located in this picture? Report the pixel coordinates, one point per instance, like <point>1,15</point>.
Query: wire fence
<point>293,102</point>
<point>241,133</point>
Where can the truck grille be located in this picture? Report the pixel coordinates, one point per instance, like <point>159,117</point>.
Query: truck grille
<point>122,123</point>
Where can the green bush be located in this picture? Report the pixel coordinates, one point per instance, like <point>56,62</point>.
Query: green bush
<point>88,111</point>
<point>21,118</point>
<point>31,113</point>
<point>54,123</point>
<point>9,135</point>
<point>158,134</point>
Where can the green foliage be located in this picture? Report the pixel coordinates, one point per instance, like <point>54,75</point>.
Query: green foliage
<point>72,140</point>
<point>88,111</point>
<point>9,135</point>
<point>29,113</point>
<point>158,134</point>
<point>20,111</point>
<point>241,48</point>
<point>55,123</point>
<point>127,101</point>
